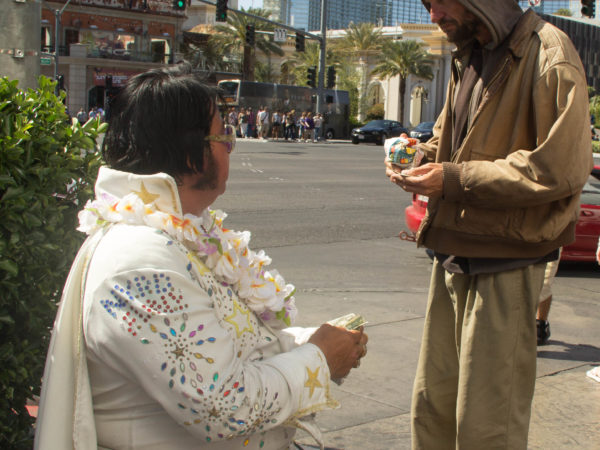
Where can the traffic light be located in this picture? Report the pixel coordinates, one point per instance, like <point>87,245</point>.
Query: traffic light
<point>299,42</point>
<point>250,35</point>
<point>221,11</point>
<point>588,8</point>
<point>108,82</point>
<point>311,77</point>
<point>179,5</point>
<point>330,77</point>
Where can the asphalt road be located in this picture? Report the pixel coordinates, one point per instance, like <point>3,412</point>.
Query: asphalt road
<point>329,218</point>
<point>296,193</point>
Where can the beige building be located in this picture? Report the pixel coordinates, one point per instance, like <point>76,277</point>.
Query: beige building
<point>108,38</point>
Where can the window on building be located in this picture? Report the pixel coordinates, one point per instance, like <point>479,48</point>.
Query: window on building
<point>46,40</point>
<point>161,50</point>
<point>71,37</point>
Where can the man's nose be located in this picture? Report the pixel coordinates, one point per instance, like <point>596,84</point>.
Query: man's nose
<point>436,13</point>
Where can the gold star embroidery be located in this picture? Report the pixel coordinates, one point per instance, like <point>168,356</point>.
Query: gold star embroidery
<point>146,196</point>
<point>178,352</point>
<point>214,412</point>
<point>202,269</point>
<point>232,320</point>
<point>312,381</point>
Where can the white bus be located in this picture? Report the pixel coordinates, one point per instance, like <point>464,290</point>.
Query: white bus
<point>282,97</point>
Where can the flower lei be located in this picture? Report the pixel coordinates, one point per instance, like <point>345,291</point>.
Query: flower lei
<point>225,252</point>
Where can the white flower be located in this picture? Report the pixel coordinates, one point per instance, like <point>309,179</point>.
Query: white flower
<point>224,252</point>
<point>88,220</point>
<point>131,209</point>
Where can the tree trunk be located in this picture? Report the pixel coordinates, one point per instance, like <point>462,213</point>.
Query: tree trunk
<point>362,88</point>
<point>248,64</point>
<point>402,93</point>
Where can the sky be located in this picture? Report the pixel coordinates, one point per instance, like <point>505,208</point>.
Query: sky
<point>249,3</point>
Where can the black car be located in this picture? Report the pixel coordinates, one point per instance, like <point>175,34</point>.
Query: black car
<point>377,131</point>
<point>423,132</point>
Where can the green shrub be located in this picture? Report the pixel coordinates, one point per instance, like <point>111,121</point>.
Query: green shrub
<point>596,146</point>
<point>355,123</point>
<point>48,166</point>
<point>595,110</point>
<point>376,112</point>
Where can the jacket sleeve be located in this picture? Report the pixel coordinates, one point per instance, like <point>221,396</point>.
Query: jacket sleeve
<point>160,328</point>
<point>556,169</point>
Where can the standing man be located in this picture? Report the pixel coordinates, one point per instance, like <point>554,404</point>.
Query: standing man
<point>504,170</point>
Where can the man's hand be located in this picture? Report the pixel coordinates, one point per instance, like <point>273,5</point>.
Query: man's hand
<point>342,348</point>
<point>425,180</point>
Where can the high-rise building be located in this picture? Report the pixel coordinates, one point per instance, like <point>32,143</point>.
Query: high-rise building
<point>393,12</point>
<point>299,13</point>
<point>280,10</point>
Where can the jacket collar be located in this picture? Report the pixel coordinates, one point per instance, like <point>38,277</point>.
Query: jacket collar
<point>519,38</point>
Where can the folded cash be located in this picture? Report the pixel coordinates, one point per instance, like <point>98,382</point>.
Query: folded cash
<point>350,321</point>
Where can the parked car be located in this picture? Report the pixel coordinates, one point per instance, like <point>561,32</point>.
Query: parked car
<point>423,132</point>
<point>587,229</point>
<point>377,131</point>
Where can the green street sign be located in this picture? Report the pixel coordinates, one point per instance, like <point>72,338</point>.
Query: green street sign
<point>45,60</point>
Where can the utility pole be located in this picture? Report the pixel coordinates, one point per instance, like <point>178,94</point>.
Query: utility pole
<point>57,14</point>
<point>323,55</point>
<point>20,41</point>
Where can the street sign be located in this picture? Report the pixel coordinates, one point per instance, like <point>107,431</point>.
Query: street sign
<point>279,35</point>
<point>45,60</point>
<point>535,2</point>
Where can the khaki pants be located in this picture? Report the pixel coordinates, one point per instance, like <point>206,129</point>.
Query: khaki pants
<point>476,371</point>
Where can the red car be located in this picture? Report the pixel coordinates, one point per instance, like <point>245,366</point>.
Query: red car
<point>587,230</point>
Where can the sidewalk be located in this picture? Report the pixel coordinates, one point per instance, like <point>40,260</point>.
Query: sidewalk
<point>376,398</point>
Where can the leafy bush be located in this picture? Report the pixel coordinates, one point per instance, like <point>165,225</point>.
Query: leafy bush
<point>376,112</point>
<point>48,167</point>
<point>355,123</point>
<point>596,146</point>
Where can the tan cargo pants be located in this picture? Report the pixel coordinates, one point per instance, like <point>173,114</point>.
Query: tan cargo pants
<point>476,371</point>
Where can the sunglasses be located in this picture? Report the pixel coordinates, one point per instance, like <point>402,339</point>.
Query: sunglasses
<point>227,138</point>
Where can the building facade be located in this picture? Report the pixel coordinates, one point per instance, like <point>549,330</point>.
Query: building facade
<point>108,38</point>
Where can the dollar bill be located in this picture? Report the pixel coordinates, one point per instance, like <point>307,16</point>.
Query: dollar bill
<point>350,321</point>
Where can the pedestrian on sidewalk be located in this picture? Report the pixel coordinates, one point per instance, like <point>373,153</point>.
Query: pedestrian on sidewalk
<point>162,339</point>
<point>251,128</point>
<point>543,309</point>
<point>290,126</point>
<point>318,120</point>
<point>82,116</point>
<point>277,119</point>
<point>243,120</point>
<point>503,172</point>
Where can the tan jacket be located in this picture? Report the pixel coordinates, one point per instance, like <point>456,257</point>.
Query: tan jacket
<point>512,188</point>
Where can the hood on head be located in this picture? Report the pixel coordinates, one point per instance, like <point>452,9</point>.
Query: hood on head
<point>499,16</point>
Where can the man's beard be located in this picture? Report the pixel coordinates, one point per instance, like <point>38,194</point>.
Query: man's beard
<point>461,32</point>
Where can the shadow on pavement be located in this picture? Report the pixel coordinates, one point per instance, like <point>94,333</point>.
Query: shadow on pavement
<point>571,352</point>
<point>578,269</point>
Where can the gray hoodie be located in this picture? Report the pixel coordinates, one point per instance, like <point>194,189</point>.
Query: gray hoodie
<point>499,16</point>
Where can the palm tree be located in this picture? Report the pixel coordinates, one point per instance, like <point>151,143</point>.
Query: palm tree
<point>404,58</point>
<point>296,66</point>
<point>362,42</point>
<point>212,55</point>
<point>234,34</point>
<point>264,72</point>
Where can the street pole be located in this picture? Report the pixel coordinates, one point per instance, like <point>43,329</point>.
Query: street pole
<point>56,38</point>
<point>57,14</point>
<point>323,54</point>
